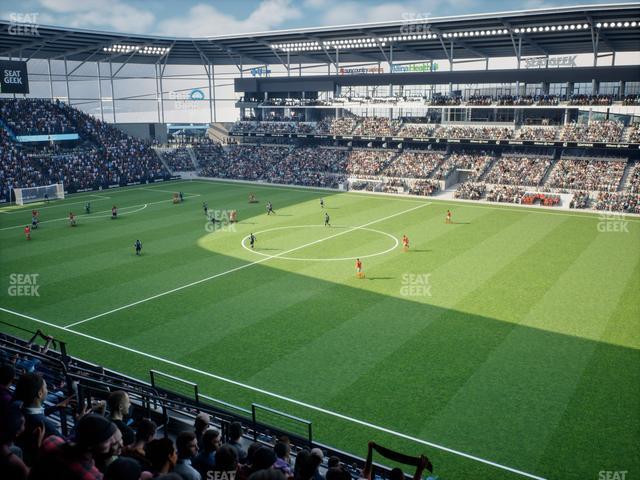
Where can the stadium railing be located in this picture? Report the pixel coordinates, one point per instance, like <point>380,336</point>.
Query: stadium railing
<point>172,410</point>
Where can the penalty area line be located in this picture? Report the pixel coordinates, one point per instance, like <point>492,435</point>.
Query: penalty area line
<point>281,397</point>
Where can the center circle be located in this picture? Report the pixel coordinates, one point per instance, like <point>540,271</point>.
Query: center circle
<point>305,259</point>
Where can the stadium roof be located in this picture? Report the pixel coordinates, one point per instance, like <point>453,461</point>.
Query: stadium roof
<point>549,31</point>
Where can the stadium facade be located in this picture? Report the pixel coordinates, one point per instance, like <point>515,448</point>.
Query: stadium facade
<point>130,78</point>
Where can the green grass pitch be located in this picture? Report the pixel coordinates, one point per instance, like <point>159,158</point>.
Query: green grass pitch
<point>511,335</point>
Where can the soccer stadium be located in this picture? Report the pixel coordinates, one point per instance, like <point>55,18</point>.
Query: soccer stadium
<point>308,242</point>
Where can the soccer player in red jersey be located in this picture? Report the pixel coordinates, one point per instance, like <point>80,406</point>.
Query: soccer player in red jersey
<point>27,232</point>
<point>448,219</point>
<point>359,272</point>
<point>405,242</point>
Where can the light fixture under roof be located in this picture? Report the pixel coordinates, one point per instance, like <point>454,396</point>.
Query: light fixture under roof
<point>144,50</point>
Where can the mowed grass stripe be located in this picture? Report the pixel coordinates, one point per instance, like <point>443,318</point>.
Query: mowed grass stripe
<point>201,291</point>
<point>386,318</point>
<point>597,419</point>
<point>388,210</point>
<point>519,369</point>
<point>328,429</point>
<point>467,337</point>
<point>106,262</point>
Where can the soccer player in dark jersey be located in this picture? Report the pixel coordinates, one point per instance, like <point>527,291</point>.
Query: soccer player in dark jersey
<point>270,209</point>
<point>321,203</point>
<point>326,220</point>
<point>252,240</point>
<point>87,208</point>
<point>46,198</point>
<point>138,246</point>
<point>205,207</point>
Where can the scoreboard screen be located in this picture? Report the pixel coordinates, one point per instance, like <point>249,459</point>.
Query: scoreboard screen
<point>13,77</point>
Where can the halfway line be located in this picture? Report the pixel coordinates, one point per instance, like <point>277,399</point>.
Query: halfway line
<point>246,265</point>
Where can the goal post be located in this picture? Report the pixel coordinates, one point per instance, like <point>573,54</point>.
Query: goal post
<point>25,195</point>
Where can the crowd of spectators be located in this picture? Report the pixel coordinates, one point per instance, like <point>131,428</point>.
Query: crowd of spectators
<point>633,180</point>
<point>393,185</point>
<point>575,174</point>
<point>368,162</point>
<point>582,99</point>
<point>273,127</point>
<point>634,133</point>
<point>519,100</point>
<point>106,444</point>
<point>595,131</point>
<point>631,100</point>
<point>480,100</point>
<point>321,167</point>
<point>505,194</point>
<point>417,130</point>
<point>541,134</point>
<point>34,116</point>
<point>580,199</point>
<point>178,159</point>
<point>480,133</point>
<point>424,187</point>
<point>445,100</point>
<point>624,202</point>
<point>414,164</point>
<point>338,126</point>
<point>476,162</point>
<point>518,170</point>
<point>378,126</point>
<point>107,156</point>
<point>470,191</point>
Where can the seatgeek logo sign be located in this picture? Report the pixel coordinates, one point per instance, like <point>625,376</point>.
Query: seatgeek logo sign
<point>13,77</point>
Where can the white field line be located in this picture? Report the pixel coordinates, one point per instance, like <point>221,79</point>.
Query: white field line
<point>27,208</point>
<point>86,216</point>
<point>128,188</point>
<point>278,186</point>
<point>171,191</point>
<point>241,267</point>
<point>585,214</point>
<point>282,397</point>
<point>93,215</point>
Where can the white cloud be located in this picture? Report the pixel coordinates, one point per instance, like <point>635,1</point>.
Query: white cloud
<point>341,13</point>
<point>206,20</point>
<point>96,14</point>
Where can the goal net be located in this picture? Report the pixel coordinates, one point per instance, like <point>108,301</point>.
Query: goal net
<point>38,194</point>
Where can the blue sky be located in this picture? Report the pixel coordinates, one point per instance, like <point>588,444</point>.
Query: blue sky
<point>197,18</point>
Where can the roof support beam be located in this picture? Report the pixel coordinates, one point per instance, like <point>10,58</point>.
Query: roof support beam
<point>38,43</point>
